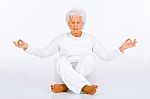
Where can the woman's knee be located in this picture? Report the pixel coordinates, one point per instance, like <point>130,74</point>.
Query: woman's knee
<point>62,62</point>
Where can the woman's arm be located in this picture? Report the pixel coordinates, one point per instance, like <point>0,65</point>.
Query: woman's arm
<point>48,51</point>
<point>51,49</point>
<point>102,53</point>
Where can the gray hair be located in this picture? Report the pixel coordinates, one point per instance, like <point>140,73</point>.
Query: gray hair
<point>76,12</point>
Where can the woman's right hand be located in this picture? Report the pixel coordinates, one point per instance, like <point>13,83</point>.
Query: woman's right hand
<point>21,44</point>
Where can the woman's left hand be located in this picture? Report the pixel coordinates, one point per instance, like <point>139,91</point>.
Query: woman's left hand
<point>127,44</point>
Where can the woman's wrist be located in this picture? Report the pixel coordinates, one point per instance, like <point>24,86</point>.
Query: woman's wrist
<point>121,49</point>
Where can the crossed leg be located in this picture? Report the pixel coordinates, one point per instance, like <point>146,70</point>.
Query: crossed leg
<point>74,79</point>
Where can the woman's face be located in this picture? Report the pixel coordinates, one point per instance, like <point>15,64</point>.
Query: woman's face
<point>75,23</point>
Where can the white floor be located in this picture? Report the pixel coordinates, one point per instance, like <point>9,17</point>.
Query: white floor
<point>31,80</point>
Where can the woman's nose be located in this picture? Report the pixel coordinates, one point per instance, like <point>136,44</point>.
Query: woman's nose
<point>75,25</point>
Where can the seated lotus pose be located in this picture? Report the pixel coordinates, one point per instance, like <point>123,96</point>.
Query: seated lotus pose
<point>75,68</point>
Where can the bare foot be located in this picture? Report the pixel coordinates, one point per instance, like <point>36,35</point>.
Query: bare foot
<point>90,89</point>
<point>57,88</point>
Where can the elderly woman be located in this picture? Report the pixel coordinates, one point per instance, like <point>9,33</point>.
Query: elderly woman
<point>75,68</point>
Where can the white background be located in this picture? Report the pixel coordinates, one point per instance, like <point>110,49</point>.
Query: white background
<point>39,21</point>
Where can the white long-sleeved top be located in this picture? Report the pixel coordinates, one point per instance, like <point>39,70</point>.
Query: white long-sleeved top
<point>74,47</point>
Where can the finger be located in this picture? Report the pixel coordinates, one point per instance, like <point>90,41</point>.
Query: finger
<point>134,41</point>
<point>15,43</point>
<point>128,41</point>
<point>135,44</point>
<point>21,40</point>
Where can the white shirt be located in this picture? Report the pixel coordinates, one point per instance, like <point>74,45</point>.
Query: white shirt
<point>74,48</point>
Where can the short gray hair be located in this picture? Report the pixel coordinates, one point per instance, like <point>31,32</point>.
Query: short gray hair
<point>76,12</point>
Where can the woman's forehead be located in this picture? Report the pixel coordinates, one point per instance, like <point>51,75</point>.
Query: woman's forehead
<point>75,18</point>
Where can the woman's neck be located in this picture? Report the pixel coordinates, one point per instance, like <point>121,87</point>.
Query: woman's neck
<point>76,34</point>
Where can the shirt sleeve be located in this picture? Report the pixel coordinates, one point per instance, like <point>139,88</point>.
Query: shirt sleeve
<point>102,53</point>
<point>48,51</point>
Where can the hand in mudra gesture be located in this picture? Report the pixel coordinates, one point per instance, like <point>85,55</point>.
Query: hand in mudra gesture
<point>128,44</point>
<point>21,44</point>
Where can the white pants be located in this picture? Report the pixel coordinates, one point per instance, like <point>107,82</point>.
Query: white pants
<point>75,74</point>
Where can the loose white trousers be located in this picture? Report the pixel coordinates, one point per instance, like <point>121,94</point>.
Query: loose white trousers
<point>76,77</point>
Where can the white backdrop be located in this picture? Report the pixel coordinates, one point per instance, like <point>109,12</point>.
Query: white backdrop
<point>39,21</point>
